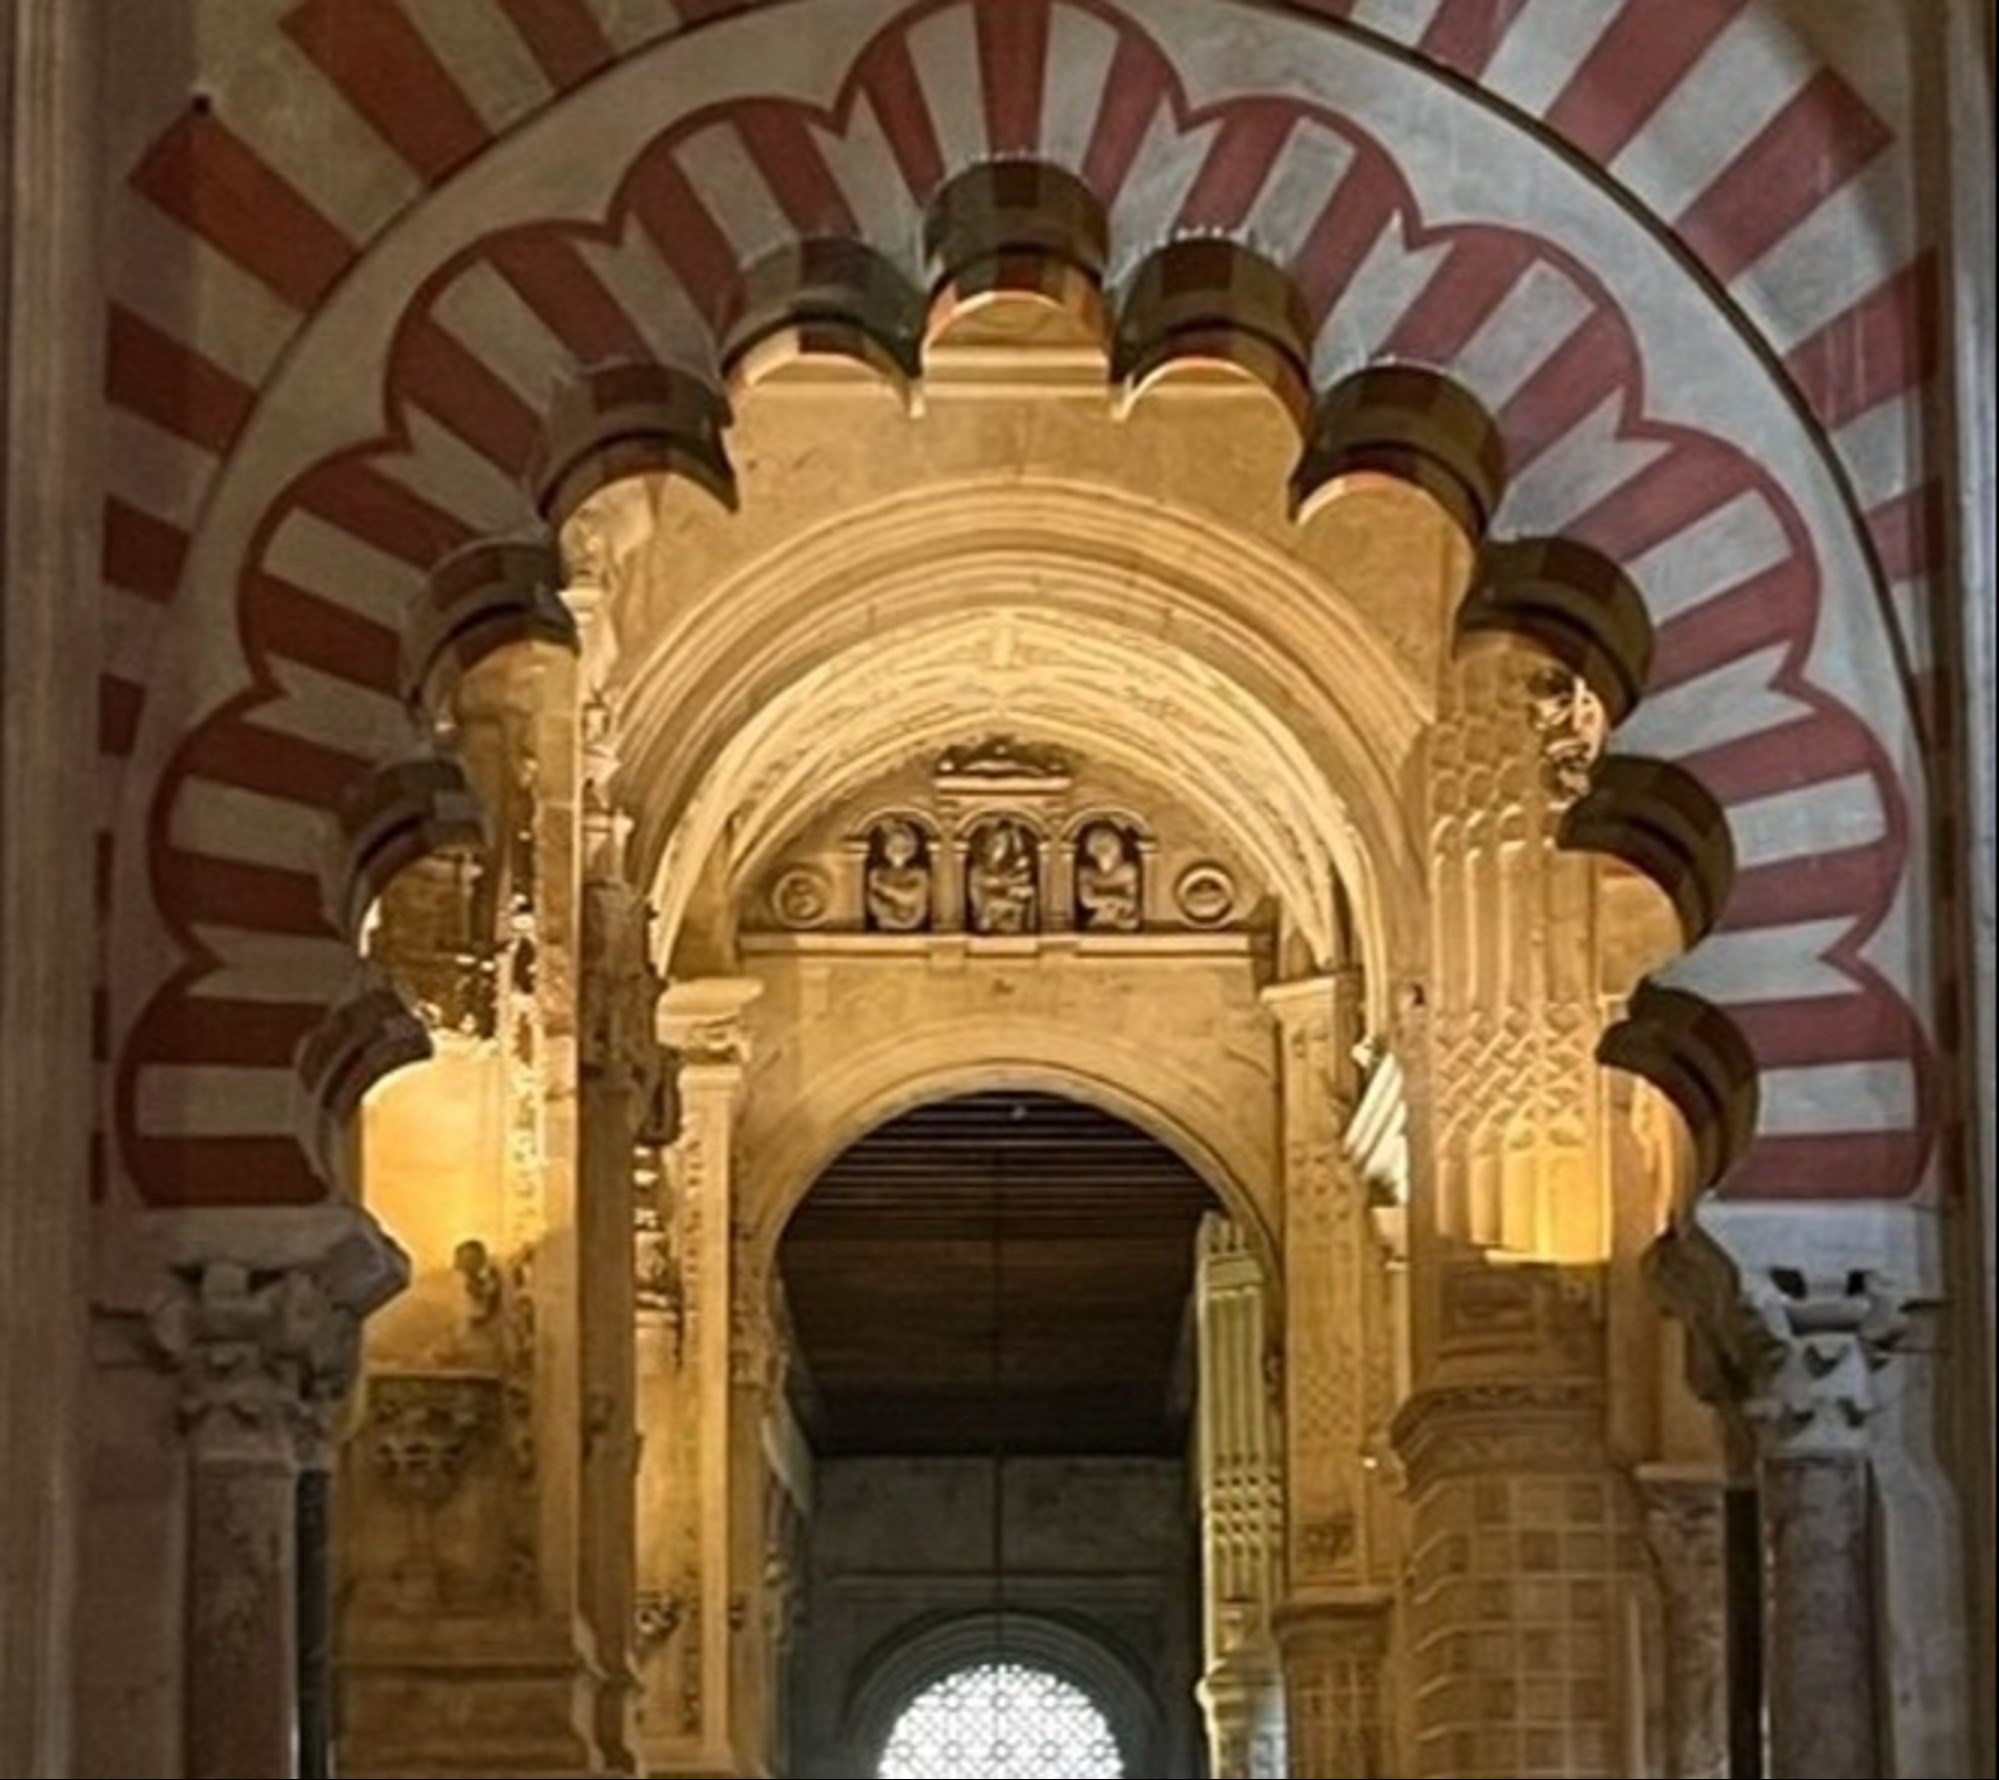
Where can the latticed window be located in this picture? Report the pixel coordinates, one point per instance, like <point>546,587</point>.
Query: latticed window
<point>1000,1721</point>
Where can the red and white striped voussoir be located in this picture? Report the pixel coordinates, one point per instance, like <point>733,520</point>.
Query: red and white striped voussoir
<point>250,807</point>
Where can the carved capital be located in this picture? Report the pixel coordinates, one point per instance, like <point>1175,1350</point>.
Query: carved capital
<point>262,1356</point>
<point>1790,1351</point>
<point>706,1021</point>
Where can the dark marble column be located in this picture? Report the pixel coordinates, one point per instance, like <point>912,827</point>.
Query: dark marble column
<point>1823,1723</point>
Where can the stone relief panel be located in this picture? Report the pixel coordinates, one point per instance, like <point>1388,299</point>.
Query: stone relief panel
<point>1004,838</point>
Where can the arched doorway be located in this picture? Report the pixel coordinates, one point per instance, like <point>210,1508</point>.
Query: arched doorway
<point>993,1350</point>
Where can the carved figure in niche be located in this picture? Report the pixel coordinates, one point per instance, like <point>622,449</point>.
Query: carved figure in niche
<point>898,878</point>
<point>1000,879</point>
<point>1107,880</point>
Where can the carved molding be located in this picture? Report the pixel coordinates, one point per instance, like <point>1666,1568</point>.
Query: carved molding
<point>424,1431</point>
<point>1550,1424</point>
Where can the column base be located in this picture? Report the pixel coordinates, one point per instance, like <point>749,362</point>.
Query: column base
<point>1242,1697</point>
<point>474,1703</point>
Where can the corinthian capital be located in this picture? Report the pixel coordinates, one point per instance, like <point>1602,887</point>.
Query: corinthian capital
<point>263,1330</point>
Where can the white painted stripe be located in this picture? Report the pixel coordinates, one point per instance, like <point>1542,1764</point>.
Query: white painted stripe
<point>1757,964</point>
<point>1742,80</point>
<point>492,321</point>
<point>228,822</point>
<point>488,59</point>
<point>1828,1098</point>
<point>1404,20</point>
<point>236,321</point>
<point>867,172</point>
<point>1734,543</point>
<point>1080,48</point>
<point>318,707</point>
<point>1162,174</point>
<point>1883,449</point>
<point>1855,239</point>
<point>656,301</point>
<point>1583,466</point>
<point>1376,297</point>
<point>300,123</point>
<point>215,1101</point>
<point>629,23</point>
<point>273,967</point>
<point>343,568</point>
<point>1546,44</point>
<point>1309,167</point>
<point>1524,330</point>
<point>1823,818</point>
<point>945,50</point>
<point>448,473</point>
<point>739,198</point>
<point>153,469</point>
<point>1734,701</point>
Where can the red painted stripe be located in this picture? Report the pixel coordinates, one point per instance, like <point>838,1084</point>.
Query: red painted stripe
<point>1239,160</point>
<point>198,1171</point>
<point>1466,34</point>
<point>1572,383</point>
<point>1909,531</point>
<point>1013,61</point>
<point>892,87</point>
<point>142,554</point>
<point>1136,86</point>
<point>197,886</point>
<point>685,232</point>
<point>218,1031</point>
<point>1822,137</point>
<point>119,703</point>
<point>278,765</point>
<point>1839,1165</point>
<point>556,282</point>
<point>563,36</point>
<point>1885,344</point>
<point>1685,483</point>
<point>1632,67</point>
<point>214,183</point>
<point>148,372</point>
<point>1472,280</point>
<point>438,372</point>
<point>388,72</point>
<point>358,498</point>
<point>1360,207</point>
<point>787,153</point>
<point>1820,887</point>
<point>290,621</point>
<point>1771,608</point>
<point>103,858</point>
<point>1808,750</point>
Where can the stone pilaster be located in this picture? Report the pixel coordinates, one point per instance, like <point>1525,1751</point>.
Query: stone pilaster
<point>625,1112</point>
<point>699,1570</point>
<point>1242,1509</point>
<point>261,1326</point>
<point>1684,1515</point>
